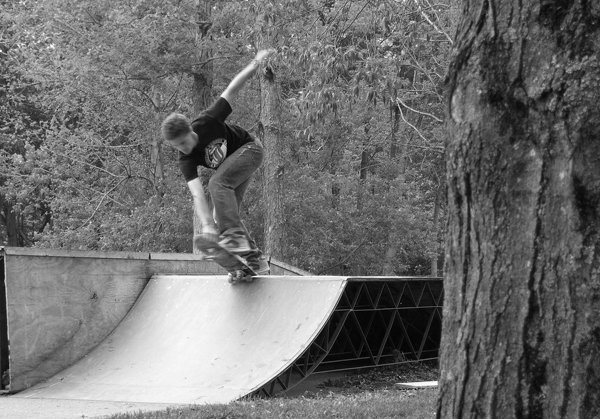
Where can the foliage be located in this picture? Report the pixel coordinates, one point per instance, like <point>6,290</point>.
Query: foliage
<point>22,209</point>
<point>86,85</point>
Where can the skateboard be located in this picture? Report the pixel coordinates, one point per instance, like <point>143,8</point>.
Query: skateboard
<point>238,267</point>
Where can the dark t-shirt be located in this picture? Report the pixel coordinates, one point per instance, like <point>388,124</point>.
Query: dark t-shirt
<point>216,140</point>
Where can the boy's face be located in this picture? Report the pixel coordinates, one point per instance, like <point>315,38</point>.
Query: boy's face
<point>185,143</point>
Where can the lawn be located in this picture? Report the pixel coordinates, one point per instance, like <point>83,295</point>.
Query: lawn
<point>369,394</point>
<point>413,404</point>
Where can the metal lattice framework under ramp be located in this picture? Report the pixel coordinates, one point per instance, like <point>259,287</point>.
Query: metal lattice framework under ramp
<point>377,322</point>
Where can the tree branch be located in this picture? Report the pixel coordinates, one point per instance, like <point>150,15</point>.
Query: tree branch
<point>101,201</point>
<point>426,17</point>
<point>87,164</point>
<point>398,100</point>
<point>345,259</point>
<point>409,124</point>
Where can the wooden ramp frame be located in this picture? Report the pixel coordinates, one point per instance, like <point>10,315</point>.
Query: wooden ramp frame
<point>378,321</point>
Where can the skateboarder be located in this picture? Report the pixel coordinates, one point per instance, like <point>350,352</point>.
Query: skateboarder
<point>234,156</point>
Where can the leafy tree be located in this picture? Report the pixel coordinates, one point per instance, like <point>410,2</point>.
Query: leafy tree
<point>107,88</point>
<point>23,210</point>
<point>352,110</point>
<point>359,96</point>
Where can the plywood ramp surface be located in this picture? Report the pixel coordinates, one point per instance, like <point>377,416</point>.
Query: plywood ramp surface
<point>198,339</point>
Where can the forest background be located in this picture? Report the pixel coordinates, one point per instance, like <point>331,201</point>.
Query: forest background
<point>351,109</point>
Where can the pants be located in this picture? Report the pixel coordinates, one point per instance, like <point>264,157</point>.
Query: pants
<point>229,183</point>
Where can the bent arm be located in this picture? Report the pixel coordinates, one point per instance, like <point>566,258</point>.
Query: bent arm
<point>240,79</point>
<point>201,206</point>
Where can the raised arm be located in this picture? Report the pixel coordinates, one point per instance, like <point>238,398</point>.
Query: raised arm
<point>238,81</point>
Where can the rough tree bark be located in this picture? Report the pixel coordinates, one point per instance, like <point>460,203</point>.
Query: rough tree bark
<point>521,328</point>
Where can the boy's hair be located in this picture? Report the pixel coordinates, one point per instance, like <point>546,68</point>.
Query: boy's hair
<point>175,125</point>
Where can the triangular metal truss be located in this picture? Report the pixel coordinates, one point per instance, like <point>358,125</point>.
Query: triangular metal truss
<point>377,322</point>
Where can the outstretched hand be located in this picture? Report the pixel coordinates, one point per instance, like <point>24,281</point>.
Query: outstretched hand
<point>210,232</point>
<point>238,81</point>
<point>210,237</point>
<point>263,54</point>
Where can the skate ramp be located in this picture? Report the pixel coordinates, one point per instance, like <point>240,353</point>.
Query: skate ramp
<point>197,339</point>
<point>57,305</point>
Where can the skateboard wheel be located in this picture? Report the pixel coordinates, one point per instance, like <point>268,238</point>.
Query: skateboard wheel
<point>236,276</point>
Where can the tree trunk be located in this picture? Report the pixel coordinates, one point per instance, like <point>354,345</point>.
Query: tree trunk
<point>202,82</point>
<point>364,166</point>
<point>13,224</point>
<point>436,215</point>
<point>362,176</point>
<point>203,76</point>
<point>395,111</point>
<point>389,257</point>
<point>156,157</point>
<point>274,161</point>
<point>397,153</point>
<point>331,155</point>
<point>521,323</point>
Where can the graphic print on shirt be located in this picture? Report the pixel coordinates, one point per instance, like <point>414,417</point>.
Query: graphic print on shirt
<point>216,152</point>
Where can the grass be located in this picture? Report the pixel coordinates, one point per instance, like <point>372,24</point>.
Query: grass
<point>367,394</point>
<point>413,404</point>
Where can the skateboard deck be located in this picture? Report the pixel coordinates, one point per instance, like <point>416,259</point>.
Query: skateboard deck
<point>237,266</point>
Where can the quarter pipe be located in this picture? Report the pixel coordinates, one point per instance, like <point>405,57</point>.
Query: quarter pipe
<point>169,329</point>
<point>197,339</point>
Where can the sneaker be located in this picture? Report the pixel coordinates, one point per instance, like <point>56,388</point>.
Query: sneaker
<point>263,268</point>
<point>235,242</point>
<point>202,255</point>
<point>258,262</point>
<point>238,276</point>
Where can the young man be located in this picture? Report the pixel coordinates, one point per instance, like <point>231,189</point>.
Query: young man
<point>234,155</point>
